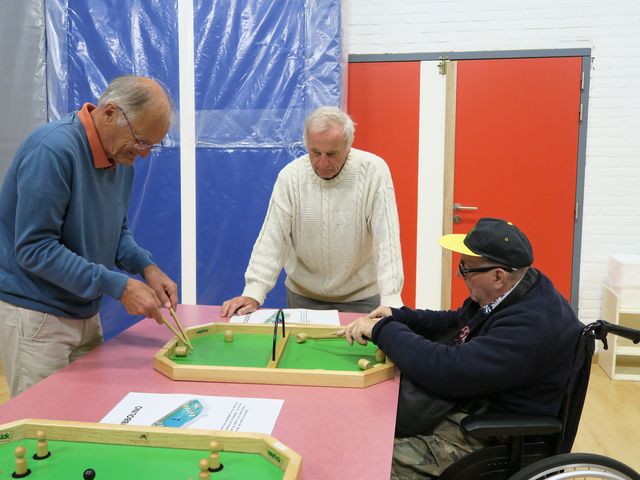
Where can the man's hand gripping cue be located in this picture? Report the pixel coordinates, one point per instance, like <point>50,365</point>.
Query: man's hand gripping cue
<point>360,329</point>
<point>147,299</point>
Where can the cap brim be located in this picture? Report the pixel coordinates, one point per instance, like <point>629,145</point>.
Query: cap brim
<point>455,242</point>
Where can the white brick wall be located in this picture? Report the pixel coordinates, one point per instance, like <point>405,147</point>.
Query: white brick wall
<point>611,222</point>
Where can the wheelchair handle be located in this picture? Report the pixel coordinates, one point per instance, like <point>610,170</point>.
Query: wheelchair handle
<point>601,328</point>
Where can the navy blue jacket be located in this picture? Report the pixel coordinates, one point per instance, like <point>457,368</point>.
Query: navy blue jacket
<point>519,359</point>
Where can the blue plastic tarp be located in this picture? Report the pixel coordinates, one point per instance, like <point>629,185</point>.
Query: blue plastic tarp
<point>259,66</point>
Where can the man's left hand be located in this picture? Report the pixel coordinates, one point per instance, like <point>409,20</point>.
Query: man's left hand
<point>165,288</point>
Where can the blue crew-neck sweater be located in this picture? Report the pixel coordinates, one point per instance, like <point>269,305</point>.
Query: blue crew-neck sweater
<point>63,225</point>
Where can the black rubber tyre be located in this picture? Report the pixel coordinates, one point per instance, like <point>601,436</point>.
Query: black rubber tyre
<point>584,466</point>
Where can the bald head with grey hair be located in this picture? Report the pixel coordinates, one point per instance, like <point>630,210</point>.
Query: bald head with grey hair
<point>138,96</point>
<point>324,118</point>
<point>132,118</point>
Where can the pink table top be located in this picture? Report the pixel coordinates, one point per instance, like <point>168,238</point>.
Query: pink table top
<point>340,432</point>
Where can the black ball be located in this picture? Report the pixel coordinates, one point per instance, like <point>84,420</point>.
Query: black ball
<point>89,474</point>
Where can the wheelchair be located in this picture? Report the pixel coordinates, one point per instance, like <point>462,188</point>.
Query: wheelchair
<point>522,447</point>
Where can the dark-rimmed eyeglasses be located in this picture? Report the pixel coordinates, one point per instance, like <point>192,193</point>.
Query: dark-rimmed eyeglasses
<point>463,271</point>
<point>140,144</point>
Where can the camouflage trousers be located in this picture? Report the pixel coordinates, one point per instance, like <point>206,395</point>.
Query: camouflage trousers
<point>427,456</point>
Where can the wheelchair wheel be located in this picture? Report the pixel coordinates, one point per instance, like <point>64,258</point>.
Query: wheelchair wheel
<point>577,465</point>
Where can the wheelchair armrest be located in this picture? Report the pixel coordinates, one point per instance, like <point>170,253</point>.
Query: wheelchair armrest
<point>485,426</point>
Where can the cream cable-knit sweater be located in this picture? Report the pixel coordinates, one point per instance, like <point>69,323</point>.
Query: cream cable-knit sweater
<point>338,239</point>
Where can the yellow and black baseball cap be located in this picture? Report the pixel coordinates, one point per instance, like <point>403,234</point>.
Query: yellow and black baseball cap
<point>494,239</point>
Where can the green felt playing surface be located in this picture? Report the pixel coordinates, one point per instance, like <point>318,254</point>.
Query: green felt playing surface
<point>246,350</point>
<point>326,354</point>
<point>69,460</point>
<point>254,350</point>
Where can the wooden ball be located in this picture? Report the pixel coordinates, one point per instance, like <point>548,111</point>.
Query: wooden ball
<point>301,337</point>
<point>380,356</point>
<point>364,364</point>
<point>181,351</point>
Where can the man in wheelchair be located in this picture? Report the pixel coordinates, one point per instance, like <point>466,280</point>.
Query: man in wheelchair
<point>508,349</point>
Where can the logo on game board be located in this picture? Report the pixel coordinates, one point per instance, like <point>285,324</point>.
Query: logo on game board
<point>5,436</point>
<point>274,456</point>
<point>202,330</point>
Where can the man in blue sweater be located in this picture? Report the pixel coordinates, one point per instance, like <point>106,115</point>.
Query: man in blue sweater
<point>63,228</point>
<point>509,348</point>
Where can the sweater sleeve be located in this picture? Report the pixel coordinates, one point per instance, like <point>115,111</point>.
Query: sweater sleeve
<point>386,241</point>
<point>39,249</point>
<point>272,246</point>
<point>130,256</point>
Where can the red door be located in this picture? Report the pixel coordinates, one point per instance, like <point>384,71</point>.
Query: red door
<point>516,154</point>
<point>383,100</point>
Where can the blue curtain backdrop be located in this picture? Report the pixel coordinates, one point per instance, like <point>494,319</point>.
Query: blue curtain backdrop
<point>260,68</point>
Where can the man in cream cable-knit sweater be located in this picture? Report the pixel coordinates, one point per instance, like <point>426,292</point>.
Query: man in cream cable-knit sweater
<point>332,223</point>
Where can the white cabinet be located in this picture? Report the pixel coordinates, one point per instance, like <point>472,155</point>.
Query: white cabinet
<point>622,360</point>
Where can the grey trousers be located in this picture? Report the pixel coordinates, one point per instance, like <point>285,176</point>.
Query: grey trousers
<point>33,345</point>
<point>366,305</point>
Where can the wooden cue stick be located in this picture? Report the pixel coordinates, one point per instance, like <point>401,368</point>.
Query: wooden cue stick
<point>180,327</point>
<point>175,332</point>
<point>322,336</point>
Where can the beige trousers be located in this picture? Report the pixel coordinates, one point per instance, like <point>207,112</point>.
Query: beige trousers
<point>33,345</point>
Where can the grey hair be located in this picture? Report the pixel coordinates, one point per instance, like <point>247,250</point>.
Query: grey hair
<point>324,118</point>
<point>134,95</point>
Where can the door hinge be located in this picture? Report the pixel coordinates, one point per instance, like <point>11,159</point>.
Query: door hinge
<point>442,65</point>
<point>580,116</point>
<point>576,211</point>
<point>582,82</point>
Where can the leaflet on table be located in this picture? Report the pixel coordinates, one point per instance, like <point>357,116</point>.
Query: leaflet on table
<point>291,315</point>
<point>231,414</point>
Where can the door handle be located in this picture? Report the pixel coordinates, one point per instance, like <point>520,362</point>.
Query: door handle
<point>463,208</point>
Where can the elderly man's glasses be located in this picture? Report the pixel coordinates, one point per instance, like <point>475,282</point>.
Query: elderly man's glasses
<point>140,144</point>
<point>463,271</point>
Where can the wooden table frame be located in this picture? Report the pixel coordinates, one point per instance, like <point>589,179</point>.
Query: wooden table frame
<point>269,374</point>
<point>164,437</point>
